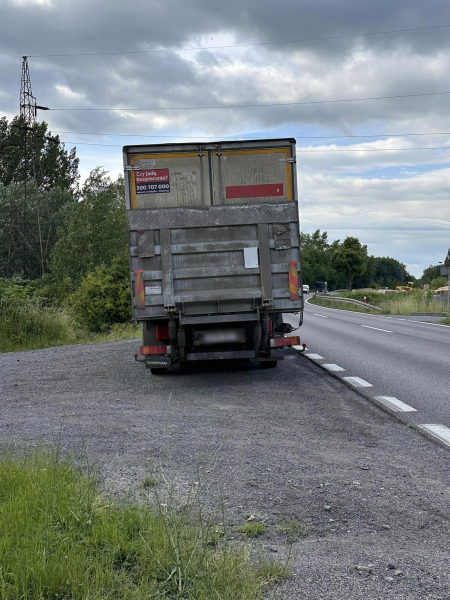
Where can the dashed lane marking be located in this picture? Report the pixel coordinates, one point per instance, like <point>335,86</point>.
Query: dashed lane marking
<point>377,328</point>
<point>440,432</point>
<point>332,367</point>
<point>323,316</point>
<point>314,356</point>
<point>357,381</point>
<point>395,404</point>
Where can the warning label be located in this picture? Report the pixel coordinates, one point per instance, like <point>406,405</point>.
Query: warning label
<point>152,181</point>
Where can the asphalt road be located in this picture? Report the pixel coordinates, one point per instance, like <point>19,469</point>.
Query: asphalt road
<point>401,357</point>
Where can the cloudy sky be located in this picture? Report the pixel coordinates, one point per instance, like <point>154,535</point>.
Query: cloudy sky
<point>359,173</point>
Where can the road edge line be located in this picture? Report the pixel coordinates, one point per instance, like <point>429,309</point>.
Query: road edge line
<point>372,400</point>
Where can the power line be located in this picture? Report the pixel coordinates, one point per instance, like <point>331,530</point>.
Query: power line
<point>298,151</point>
<point>294,41</point>
<point>256,105</point>
<point>240,135</point>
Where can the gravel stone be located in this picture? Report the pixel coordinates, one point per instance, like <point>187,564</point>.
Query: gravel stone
<point>263,442</point>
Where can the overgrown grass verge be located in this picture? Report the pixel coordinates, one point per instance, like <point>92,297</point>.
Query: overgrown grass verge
<point>29,327</point>
<point>402,303</point>
<point>320,301</point>
<point>59,539</point>
<point>408,302</point>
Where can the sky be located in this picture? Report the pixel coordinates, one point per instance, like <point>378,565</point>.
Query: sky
<point>359,174</point>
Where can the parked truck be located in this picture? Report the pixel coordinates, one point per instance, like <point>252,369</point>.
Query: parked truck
<point>214,250</point>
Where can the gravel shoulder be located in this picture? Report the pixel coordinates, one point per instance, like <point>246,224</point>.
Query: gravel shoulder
<point>290,444</point>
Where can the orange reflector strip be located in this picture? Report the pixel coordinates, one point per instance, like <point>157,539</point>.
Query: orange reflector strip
<point>154,350</point>
<point>288,341</point>
<point>293,281</point>
<point>139,289</point>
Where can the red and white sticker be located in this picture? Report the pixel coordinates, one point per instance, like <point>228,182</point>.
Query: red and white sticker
<point>152,181</point>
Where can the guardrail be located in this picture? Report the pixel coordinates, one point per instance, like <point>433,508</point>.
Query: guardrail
<point>350,301</point>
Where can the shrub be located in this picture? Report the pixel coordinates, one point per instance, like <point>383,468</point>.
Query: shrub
<point>103,297</point>
<point>372,297</point>
<point>26,326</point>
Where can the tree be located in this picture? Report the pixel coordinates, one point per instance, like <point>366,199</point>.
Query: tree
<point>35,155</point>
<point>38,177</point>
<point>447,259</point>
<point>28,222</point>
<point>430,273</point>
<point>94,229</point>
<point>316,259</point>
<point>350,259</point>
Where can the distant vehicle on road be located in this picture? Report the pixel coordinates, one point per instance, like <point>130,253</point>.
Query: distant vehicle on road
<point>305,289</point>
<point>321,287</point>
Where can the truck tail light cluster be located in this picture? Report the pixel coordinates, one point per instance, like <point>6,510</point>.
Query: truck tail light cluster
<point>285,341</point>
<point>144,350</point>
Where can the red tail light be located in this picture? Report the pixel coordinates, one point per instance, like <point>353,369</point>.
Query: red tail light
<point>285,341</point>
<point>154,350</point>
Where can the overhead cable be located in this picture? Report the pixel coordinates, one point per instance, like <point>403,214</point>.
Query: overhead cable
<point>220,106</point>
<point>298,151</point>
<point>241,135</point>
<point>294,41</point>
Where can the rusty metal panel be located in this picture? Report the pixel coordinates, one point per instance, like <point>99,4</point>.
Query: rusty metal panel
<point>252,176</point>
<point>146,244</point>
<point>168,180</point>
<point>282,236</point>
<point>264,255</point>
<point>166,265</point>
<point>214,216</point>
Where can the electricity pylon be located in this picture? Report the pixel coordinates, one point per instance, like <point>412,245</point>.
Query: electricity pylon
<point>27,100</point>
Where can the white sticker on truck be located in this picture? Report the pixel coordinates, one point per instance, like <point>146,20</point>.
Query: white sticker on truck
<point>153,289</point>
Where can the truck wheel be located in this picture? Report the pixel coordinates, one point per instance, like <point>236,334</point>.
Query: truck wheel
<point>158,370</point>
<point>268,364</point>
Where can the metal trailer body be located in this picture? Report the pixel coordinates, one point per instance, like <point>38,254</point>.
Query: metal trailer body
<point>214,249</point>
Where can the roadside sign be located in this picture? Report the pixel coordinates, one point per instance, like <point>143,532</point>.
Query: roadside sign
<point>445,271</point>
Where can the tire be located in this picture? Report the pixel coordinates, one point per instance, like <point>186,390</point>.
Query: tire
<point>268,364</point>
<point>158,370</point>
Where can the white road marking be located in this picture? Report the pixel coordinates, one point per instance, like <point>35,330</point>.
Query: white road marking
<point>441,432</point>
<point>377,328</point>
<point>357,382</point>
<point>395,404</point>
<point>323,316</point>
<point>314,356</point>
<point>332,367</point>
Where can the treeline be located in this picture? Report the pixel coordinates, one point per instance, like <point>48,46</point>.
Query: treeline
<point>61,245</point>
<point>64,246</point>
<point>347,265</point>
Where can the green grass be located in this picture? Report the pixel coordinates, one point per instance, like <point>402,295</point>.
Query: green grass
<point>292,530</point>
<point>404,303</point>
<point>401,303</point>
<point>29,327</point>
<point>60,540</point>
<point>318,301</point>
<point>253,529</point>
<point>149,482</point>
